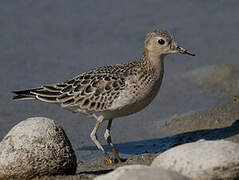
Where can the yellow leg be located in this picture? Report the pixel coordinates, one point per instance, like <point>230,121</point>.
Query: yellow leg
<point>95,139</point>
<point>108,139</point>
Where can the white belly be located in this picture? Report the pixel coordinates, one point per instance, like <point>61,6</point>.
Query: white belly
<point>125,105</point>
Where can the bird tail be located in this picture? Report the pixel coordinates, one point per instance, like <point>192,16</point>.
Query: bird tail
<point>44,93</point>
<point>52,93</point>
<point>24,94</point>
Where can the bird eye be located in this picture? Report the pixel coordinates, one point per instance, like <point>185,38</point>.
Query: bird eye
<point>161,41</point>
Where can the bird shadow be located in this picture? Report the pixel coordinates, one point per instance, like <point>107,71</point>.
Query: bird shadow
<point>158,145</point>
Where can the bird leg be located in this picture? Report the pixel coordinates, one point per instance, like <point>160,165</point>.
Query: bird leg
<point>95,139</point>
<point>108,139</point>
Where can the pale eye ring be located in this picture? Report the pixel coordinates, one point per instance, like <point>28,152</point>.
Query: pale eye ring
<point>161,41</point>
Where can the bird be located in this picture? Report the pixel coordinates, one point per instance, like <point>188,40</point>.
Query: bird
<point>112,91</point>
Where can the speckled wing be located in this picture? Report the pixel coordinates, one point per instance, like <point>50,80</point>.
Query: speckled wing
<point>94,90</point>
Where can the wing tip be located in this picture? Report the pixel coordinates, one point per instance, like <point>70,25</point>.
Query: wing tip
<point>22,97</point>
<point>23,94</point>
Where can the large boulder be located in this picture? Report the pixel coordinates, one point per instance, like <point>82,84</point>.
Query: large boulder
<point>36,147</point>
<point>202,160</point>
<point>141,172</point>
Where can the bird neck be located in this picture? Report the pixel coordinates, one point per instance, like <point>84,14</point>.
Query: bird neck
<point>153,63</point>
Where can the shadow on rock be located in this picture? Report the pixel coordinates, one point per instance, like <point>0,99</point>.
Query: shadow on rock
<point>98,172</point>
<point>162,144</point>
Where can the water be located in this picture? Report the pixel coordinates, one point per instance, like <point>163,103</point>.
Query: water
<point>51,41</point>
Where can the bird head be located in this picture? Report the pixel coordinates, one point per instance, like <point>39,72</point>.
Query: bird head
<point>160,43</point>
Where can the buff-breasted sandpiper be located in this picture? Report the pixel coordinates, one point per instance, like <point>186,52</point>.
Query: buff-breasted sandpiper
<point>109,92</point>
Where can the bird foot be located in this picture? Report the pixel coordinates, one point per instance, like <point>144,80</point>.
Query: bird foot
<point>109,161</point>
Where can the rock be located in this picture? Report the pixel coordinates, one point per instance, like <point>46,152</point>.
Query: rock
<point>202,160</point>
<point>140,172</point>
<point>36,147</point>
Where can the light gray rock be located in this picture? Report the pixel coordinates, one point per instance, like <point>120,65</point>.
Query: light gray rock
<point>141,172</point>
<point>202,160</point>
<point>36,147</point>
